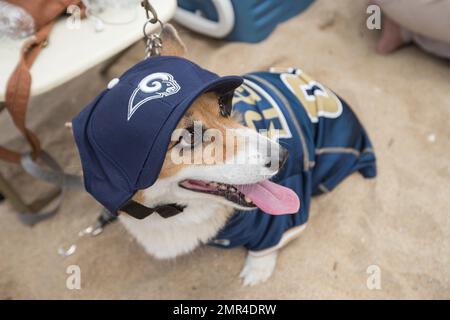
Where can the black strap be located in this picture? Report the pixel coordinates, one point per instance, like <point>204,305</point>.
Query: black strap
<point>139,211</point>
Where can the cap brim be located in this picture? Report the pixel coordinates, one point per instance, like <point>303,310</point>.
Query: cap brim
<point>158,151</point>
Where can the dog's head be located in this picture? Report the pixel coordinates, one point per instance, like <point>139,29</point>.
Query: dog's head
<point>213,158</point>
<point>164,133</point>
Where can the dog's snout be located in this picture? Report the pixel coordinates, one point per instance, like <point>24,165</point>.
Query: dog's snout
<point>281,159</point>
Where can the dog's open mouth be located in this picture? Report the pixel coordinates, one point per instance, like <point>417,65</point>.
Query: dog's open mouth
<point>266,195</point>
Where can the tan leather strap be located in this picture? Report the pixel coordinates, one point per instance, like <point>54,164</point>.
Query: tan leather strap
<point>18,93</point>
<point>44,13</point>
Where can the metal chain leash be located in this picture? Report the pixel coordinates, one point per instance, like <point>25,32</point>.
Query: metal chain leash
<point>153,41</point>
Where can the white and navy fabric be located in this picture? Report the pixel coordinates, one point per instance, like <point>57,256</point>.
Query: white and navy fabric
<point>325,140</point>
<point>123,134</point>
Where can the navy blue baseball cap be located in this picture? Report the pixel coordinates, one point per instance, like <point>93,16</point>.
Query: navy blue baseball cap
<point>123,134</point>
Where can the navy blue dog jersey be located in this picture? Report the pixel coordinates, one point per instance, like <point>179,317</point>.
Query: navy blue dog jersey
<point>325,140</point>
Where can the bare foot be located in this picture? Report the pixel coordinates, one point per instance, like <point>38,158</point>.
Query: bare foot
<point>391,38</point>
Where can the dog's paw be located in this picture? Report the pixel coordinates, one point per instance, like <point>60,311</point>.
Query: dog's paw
<point>258,269</point>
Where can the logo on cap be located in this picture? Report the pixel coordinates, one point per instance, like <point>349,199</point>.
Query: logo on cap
<point>154,86</point>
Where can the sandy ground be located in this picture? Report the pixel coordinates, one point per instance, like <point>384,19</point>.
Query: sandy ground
<point>399,222</point>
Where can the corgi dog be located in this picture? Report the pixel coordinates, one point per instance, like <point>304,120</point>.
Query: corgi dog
<point>242,194</point>
<point>208,192</point>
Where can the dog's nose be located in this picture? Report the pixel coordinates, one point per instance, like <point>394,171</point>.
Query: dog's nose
<point>283,154</point>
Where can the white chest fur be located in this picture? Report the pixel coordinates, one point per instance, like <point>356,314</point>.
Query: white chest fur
<point>168,238</point>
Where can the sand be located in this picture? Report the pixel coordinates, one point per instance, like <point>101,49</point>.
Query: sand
<point>398,222</point>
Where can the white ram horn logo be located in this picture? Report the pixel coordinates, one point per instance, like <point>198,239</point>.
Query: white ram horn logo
<point>154,86</point>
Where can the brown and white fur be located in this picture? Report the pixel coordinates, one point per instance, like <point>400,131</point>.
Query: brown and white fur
<point>204,214</point>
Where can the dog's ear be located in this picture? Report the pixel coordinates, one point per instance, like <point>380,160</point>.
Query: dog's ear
<point>171,42</point>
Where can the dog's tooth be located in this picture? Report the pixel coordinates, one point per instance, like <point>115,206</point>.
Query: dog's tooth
<point>233,189</point>
<point>248,200</point>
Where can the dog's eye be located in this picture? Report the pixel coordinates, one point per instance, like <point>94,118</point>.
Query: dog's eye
<point>190,138</point>
<point>226,104</point>
<point>187,140</point>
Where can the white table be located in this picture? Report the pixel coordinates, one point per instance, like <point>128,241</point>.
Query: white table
<point>72,51</point>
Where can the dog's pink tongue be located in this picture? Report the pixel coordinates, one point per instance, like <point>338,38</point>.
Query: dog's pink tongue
<point>271,197</point>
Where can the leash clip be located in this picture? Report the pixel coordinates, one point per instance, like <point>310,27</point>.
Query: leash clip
<point>105,218</point>
<point>153,41</point>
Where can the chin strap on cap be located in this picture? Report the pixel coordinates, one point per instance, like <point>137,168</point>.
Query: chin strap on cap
<point>139,211</point>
